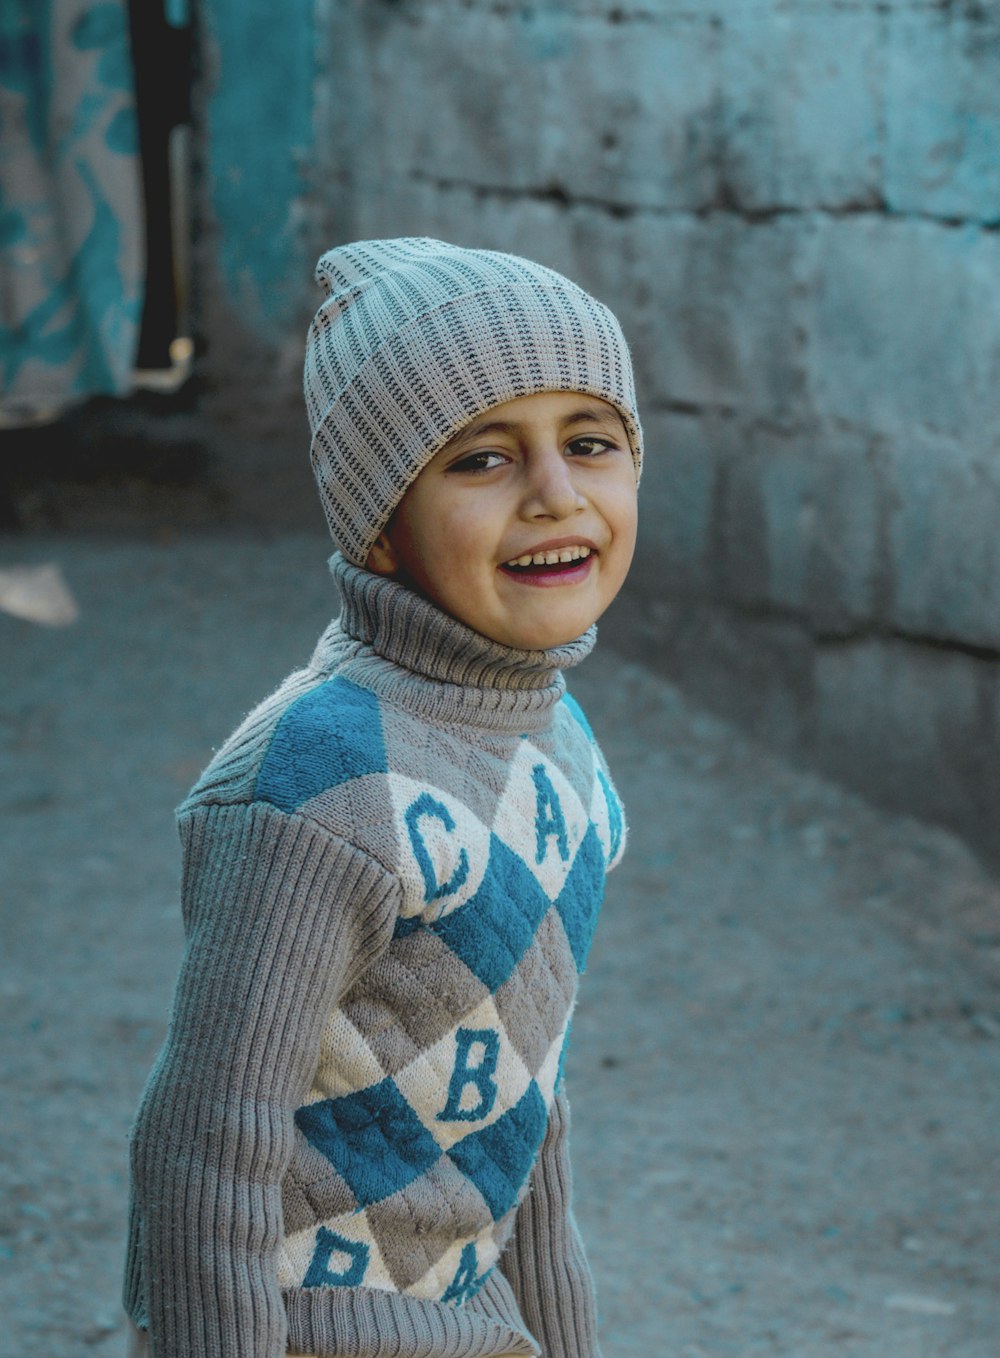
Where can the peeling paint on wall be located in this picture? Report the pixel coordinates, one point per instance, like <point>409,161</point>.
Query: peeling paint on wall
<point>260,153</point>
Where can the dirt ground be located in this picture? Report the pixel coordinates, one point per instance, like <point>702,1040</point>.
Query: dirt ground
<point>786,1061</point>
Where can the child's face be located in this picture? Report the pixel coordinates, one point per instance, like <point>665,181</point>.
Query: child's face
<point>538,477</point>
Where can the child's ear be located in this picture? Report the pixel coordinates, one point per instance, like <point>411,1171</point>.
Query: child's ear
<point>382,558</point>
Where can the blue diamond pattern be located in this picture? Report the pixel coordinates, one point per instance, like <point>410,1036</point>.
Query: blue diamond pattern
<point>495,928</point>
<point>373,1138</point>
<point>330,735</point>
<point>498,1159</point>
<point>580,898</point>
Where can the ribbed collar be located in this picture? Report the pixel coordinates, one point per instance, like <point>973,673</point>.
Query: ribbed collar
<point>421,658</point>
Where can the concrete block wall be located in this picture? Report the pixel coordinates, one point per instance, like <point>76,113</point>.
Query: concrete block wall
<point>794,206</point>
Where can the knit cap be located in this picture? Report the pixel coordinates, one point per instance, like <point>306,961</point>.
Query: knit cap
<point>415,339</point>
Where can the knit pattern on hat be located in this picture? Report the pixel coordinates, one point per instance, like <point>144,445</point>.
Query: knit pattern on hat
<point>416,338</point>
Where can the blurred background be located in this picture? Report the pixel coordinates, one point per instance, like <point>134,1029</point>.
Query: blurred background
<point>792,204</point>
<point>794,208</point>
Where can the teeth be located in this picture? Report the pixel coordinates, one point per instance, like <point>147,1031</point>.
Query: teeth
<point>563,554</point>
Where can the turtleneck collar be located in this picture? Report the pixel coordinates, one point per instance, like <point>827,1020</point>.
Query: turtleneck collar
<point>421,658</point>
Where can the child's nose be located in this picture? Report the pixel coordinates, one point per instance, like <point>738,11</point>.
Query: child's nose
<point>551,488</point>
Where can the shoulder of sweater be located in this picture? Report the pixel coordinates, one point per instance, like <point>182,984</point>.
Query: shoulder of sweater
<point>576,729</point>
<point>240,824</point>
<point>313,733</point>
<point>249,865</point>
<point>231,774</point>
<point>605,805</point>
<point>577,713</point>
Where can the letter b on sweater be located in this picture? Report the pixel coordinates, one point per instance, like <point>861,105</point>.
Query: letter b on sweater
<point>478,1050</point>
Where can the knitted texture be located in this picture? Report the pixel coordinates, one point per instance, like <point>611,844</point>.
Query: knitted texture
<point>415,339</point>
<point>355,1139</point>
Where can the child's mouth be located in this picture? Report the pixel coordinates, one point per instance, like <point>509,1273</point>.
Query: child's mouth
<point>560,566</point>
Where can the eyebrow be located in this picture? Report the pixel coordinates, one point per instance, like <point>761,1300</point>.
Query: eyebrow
<point>587,415</point>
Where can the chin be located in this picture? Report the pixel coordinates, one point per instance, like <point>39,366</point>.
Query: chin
<point>522,634</point>
<point>543,640</point>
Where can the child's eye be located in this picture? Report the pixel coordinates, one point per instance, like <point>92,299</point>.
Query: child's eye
<point>590,446</point>
<point>483,461</point>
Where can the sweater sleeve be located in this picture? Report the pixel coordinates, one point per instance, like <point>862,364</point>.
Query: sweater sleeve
<point>281,917</point>
<point>544,1260</point>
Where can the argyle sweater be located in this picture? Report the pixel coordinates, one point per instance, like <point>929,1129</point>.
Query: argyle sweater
<point>354,1140</point>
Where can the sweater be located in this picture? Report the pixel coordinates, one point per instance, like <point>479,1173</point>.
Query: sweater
<point>354,1139</point>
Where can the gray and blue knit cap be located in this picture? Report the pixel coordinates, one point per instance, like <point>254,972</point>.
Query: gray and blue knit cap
<point>415,339</point>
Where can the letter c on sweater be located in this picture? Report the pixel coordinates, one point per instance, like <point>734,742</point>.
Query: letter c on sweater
<point>428,806</point>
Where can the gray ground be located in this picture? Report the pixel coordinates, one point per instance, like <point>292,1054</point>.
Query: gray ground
<point>785,1061</point>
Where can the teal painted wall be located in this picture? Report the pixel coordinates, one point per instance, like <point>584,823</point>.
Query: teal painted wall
<point>260,93</point>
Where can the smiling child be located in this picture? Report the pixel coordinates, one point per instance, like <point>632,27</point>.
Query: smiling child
<point>355,1138</point>
<point>523,525</point>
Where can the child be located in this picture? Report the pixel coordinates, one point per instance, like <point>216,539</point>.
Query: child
<point>354,1141</point>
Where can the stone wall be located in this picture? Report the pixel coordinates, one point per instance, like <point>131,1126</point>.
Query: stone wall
<point>794,208</point>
